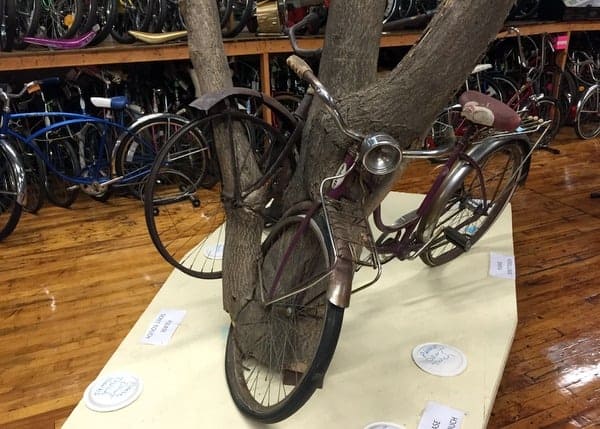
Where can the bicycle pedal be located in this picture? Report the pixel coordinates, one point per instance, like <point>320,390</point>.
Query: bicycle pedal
<point>457,238</point>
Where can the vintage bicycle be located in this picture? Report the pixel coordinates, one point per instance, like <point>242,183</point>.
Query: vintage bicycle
<point>282,341</point>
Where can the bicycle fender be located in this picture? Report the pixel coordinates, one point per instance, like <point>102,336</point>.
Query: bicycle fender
<point>478,151</point>
<point>209,101</point>
<point>340,279</point>
<point>15,160</point>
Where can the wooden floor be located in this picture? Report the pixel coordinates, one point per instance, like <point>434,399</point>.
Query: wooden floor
<point>73,282</point>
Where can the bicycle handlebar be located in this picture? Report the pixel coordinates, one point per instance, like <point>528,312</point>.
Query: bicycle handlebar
<point>303,70</point>
<point>5,96</point>
<point>312,19</point>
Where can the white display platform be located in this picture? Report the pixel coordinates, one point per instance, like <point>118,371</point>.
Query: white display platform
<point>372,376</point>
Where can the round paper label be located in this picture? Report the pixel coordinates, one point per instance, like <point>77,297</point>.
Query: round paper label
<point>112,392</point>
<point>384,425</point>
<point>439,359</point>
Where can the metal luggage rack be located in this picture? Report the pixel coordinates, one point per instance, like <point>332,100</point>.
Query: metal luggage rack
<point>348,226</point>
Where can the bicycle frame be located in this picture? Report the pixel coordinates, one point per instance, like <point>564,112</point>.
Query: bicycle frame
<point>68,120</point>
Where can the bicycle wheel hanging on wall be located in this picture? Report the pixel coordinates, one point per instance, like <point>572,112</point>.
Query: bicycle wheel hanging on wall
<point>8,24</point>
<point>28,15</point>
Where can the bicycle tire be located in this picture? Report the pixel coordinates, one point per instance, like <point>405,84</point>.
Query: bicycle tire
<point>459,202</point>
<point>547,108</point>
<point>182,216</point>
<point>61,154</point>
<point>159,16</point>
<point>587,121</point>
<point>94,159</point>
<point>185,217</point>
<point>10,209</point>
<point>138,146</point>
<point>28,16</point>
<point>89,17</point>
<point>290,355</point>
<point>63,18</point>
<point>174,20</point>
<point>525,9</point>
<point>8,24</point>
<point>135,15</point>
<point>106,14</point>
<point>508,87</point>
<point>36,194</point>
<point>390,10</point>
<point>238,15</point>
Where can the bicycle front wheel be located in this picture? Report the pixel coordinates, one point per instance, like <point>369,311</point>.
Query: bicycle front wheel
<point>467,205</point>
<point>10,210</point>
<point>277,354</point>
<point>587,122</point>
<point>184,216</point>
<point>182,197</point>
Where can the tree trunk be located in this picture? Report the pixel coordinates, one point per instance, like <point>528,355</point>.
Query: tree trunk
<point>403,104</point>
<point>244,226</point>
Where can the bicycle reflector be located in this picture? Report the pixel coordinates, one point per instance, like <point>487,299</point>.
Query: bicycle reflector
<point>380,154</point>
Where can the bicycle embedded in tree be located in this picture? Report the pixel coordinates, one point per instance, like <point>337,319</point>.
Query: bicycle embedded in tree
<point>282,341</point>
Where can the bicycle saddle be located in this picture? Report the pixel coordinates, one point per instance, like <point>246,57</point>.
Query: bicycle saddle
<point>118,102</point>
<point>485,110</point>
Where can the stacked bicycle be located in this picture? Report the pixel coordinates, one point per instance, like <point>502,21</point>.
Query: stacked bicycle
<point>584,65</point>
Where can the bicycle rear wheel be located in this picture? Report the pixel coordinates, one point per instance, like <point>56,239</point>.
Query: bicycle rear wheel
<point>138,146</point>
<point>466,205</point>
<point>10,210</point>
<point>63,157</point>
<point>587,121</point>
<point>277,355</point>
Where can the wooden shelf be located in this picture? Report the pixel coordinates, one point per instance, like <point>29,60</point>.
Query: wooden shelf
<point>114,53</point>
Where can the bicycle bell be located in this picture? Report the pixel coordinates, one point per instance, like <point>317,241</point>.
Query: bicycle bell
<point>380,154</point>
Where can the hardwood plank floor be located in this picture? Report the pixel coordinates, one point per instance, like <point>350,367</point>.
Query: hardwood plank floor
<point>74,281</point>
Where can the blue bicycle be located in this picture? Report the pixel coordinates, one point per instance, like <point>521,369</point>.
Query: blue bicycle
<point>76,151</point>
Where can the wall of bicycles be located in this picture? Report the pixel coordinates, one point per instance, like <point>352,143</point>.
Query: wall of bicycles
<point>520,70</point>
<point>74,24</point>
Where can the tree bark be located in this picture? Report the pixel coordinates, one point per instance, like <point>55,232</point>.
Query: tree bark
<point>244,226</point>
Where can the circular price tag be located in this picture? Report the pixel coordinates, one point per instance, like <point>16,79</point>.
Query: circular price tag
<point>112,392</point>
<point>439,359</point>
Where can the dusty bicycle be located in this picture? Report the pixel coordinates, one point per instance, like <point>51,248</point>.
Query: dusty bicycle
<point>279,348</point>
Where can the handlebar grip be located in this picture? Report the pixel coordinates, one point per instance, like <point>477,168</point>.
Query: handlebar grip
<point>298,65</point>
